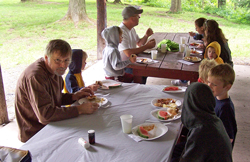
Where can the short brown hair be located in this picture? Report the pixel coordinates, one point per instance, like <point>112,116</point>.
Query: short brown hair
<point>205,66</point>
<point>58,45</point>
<point>224,72</point>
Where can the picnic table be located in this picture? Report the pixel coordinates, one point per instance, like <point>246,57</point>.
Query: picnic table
<point>167,65</point>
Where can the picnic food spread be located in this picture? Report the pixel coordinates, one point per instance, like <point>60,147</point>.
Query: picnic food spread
<point>192,59</point>
<point>166,102</point>
<point>95,99</point>
<point>172,88</point>
<point>170,45</point>
<point>143,130</point>
<point>193,44</point>
<point>170,113</point>
<point>143,60</point>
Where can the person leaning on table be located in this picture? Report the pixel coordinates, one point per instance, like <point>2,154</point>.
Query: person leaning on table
<point>131,40</point>
<point>39,97</point>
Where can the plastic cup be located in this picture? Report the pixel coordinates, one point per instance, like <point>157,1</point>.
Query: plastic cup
<point>183,40</point>
<point>126,121</point>
<point>163,48</point>
<point>187,50</point>
<point>181,47</point>
<point>154,54</point>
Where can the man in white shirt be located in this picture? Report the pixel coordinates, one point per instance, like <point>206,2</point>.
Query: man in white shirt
<point>131,43</point>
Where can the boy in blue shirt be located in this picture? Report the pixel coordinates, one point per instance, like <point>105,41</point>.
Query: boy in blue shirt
<point>220,80</point>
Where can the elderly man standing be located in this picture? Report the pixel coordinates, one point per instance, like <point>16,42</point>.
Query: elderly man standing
<point>131,43</point>
<point>39,96</point>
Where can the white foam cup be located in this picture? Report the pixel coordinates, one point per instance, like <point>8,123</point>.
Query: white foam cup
<point>163,48</point>
<point>181,47</point>
<point>183,40</point>
<point>154,54</point>
<point>126,121</point>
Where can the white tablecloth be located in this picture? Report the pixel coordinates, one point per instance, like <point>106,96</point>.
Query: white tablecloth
<point>58,141</point>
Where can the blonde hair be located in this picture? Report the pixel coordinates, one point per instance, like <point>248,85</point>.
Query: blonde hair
<point>84,55</point>
<point>223,72</point>
<point>205,66</point>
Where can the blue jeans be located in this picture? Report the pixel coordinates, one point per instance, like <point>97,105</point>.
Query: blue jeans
<point>130,71</point>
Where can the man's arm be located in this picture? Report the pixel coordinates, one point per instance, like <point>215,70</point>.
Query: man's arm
<point>149,45</point>
<point>144,39</point>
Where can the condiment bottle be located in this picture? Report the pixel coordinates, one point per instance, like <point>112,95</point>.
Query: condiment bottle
<point>91,134</point>
<point>83,142</point>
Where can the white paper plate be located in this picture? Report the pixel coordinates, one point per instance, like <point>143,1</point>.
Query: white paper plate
<point>143,60</point>
<point>85,100</point>
<point>182,89</point>
<point>147,51</point>
<point>178,102</point>
<point>154,114</point>
<point>160,130</point>
<point>191,59</point>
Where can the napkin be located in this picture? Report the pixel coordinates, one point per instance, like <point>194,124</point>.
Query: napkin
<point>185,62</point>
<point>134,137</point>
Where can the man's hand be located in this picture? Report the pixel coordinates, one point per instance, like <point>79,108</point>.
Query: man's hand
<point>149,32</point>
<point>151,44</point>
<point>87,108</point>
<point>132,58</point>
<point>94,87</point>
<point>84,92</point>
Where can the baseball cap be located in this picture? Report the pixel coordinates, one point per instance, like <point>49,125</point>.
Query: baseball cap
<point>130,11</point>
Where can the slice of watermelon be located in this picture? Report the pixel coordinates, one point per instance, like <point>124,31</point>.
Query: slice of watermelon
<point>142,132</point>
<point>115,85</point>
<point>163,115</point>
<point>173,88</point>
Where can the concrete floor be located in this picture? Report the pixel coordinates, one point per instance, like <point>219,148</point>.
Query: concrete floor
<point>239,94</point>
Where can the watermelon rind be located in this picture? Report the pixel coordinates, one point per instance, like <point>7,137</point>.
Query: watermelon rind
<point>141,135</point>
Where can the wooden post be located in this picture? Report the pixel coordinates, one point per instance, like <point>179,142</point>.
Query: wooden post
<point>3,108</point>
<point>101,24</point>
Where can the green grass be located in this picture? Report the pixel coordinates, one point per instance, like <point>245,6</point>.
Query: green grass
<point>26,28</point>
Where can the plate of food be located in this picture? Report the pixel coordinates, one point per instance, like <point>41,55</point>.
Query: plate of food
<point>143,60</point>
<point>166,114</point>
<point>108,84</point>
<point>194,44</point>
<point>174,89</point>
<point>165,103</point>
<point>149,131</point>
<point>192,59</point>
<point>147,51</point>
<point>195,52</point>
<point>99,100</point>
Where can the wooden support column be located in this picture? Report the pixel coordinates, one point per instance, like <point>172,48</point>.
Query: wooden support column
<point>101,24</point>
<point>3,108</point>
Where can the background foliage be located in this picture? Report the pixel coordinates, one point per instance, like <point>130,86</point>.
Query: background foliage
<point>26,28</point>
<point>235,11</point>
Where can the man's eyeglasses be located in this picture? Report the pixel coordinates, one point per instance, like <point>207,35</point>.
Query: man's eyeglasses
<point>58,61</point>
